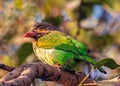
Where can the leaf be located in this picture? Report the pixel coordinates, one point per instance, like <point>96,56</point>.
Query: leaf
<point>108,62</point>
<point>18,4</point>
<point>7,60</point>
<point>24,51</point>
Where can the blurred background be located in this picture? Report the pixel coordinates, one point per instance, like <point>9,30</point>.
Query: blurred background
<point>93,22</point>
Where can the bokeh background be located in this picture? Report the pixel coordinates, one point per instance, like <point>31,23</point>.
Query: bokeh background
<point>93,22</point>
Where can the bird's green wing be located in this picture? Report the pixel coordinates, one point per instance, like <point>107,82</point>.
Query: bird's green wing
<point>76,52</point>
<point>82,49</point>
<point>79,49</point>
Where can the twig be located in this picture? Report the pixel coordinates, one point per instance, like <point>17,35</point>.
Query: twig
<point>5,67</point>
<point>79,17</point>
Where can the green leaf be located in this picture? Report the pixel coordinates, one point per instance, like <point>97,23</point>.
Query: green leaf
<point>24,51</point>
<point>108,62</point>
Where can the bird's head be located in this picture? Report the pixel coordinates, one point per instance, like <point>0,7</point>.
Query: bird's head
<point>39,30</point>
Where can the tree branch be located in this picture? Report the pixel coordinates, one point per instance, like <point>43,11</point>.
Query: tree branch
<point>7,68</point>
<point>26,73</point>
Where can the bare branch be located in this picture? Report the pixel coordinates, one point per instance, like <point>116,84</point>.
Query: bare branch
<point>111,82</point>
<point>25,75</point>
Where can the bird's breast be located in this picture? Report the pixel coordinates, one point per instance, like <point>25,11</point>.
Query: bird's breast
<point>45,55</point>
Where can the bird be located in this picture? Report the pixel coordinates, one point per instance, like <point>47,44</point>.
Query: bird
<point>55,48</point>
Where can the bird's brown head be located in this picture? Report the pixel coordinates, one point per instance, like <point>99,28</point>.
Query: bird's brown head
<point>40,29</point>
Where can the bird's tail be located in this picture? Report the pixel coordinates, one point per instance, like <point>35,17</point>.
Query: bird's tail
<point>92,61</point>
<point>102,70</point>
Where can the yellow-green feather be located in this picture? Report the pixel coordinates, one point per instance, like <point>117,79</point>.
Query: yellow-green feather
<point>52,39</point>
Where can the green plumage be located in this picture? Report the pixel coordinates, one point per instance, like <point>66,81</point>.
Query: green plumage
<point>57,48</point>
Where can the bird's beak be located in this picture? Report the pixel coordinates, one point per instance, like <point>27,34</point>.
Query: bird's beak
<point>30,34</point>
